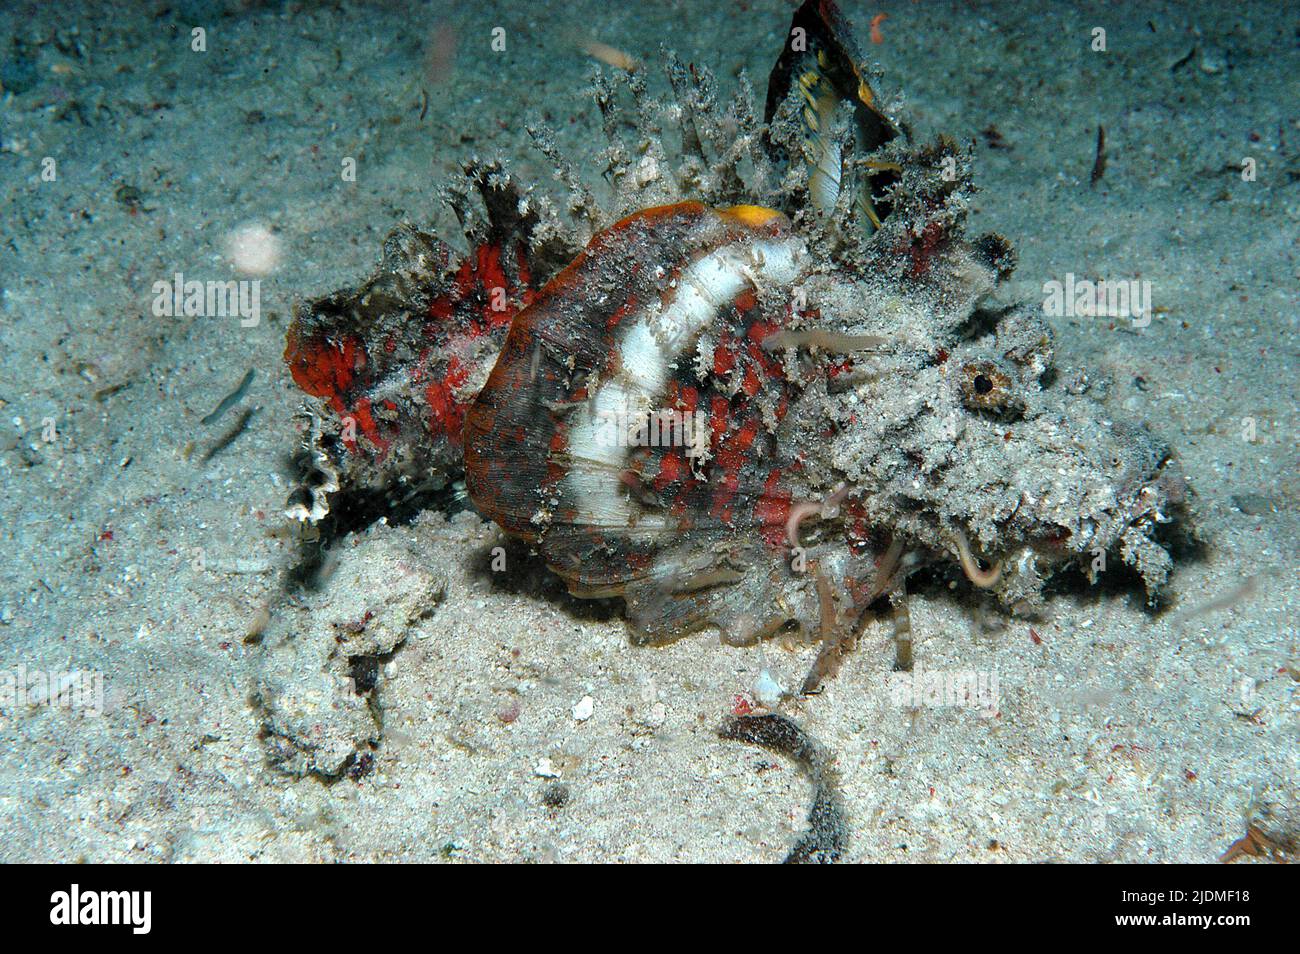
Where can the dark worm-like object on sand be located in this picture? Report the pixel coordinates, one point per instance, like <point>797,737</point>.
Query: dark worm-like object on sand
<point>824,841</point>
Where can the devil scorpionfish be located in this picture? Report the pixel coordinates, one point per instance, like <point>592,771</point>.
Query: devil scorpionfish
<point>757,386</point>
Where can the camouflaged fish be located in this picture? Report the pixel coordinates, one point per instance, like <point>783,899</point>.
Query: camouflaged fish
<point>755,387</point>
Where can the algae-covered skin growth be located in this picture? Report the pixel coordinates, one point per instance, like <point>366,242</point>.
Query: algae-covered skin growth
<point>645,432</point>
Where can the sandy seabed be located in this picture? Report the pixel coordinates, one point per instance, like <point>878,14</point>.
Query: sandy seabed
<point>1117,735</point>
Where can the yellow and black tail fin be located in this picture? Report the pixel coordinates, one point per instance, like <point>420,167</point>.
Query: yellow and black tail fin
<point>822,65</point>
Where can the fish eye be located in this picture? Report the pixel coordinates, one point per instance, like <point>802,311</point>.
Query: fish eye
<point>988,388</point>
